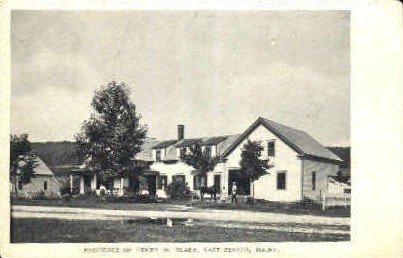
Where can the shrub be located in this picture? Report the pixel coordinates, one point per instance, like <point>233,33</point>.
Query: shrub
<point>39,195</point>
<point>178,190</point>
<point>66,197</point>
<point>65,188</point>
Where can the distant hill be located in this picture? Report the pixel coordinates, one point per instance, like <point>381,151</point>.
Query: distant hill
<point>343,153</point>
<point>59,156</point>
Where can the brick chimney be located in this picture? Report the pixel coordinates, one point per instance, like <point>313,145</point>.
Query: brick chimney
<point>181,132</point>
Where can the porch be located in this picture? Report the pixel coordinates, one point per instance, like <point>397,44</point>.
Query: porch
<point>84,181</point>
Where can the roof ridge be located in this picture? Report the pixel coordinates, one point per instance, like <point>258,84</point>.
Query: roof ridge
<point>272,121</point>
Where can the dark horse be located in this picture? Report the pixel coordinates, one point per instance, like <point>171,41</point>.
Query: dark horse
<point>209,190</point>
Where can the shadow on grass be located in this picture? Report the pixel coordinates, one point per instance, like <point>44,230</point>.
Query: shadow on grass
<point>69,231</point>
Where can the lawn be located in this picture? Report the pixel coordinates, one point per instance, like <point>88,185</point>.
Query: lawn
<point>281,208</point>
<point>71,231</point>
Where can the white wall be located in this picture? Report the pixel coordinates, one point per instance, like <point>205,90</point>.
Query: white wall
<point>37,185</point>
<point>163,154</point>
<point>265,187</point>
<point>285,159</point>
<point>116,182</point>
<point>178,168</point>
<point>323,170</point>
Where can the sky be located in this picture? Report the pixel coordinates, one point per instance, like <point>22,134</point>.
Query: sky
<point>215,72</point>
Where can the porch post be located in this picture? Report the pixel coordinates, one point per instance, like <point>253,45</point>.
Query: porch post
<point>94,182</point>
<point>71,183</point>
<point>81,184</point>
<point>121,186</point>
<point>224,181</point>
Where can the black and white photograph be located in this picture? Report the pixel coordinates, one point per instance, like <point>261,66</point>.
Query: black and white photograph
<point>180,126</point>
<point>173,126</point>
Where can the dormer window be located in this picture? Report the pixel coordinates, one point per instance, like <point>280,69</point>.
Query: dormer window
<point>271,152</point>
<point>158,155</point>
<point>207,151</point>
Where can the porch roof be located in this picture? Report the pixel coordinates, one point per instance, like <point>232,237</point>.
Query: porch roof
<point>79,170</point>
<point>151,172</point>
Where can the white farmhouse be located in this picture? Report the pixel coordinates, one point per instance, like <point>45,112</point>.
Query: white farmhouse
<point>301,164</point>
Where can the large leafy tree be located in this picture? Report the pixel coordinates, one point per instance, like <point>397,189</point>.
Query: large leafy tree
<point>23,160</point>
<point>201,161</point>
<point>110,139</point>
<point>251,163</point>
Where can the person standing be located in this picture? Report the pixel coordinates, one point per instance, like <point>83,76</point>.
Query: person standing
<point>234,189</point>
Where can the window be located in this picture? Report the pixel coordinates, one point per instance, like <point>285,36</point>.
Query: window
<point>158,155</point>
<point>313,181</point>
<point>162,182</point>
<point>196,182</point>
<point>45,185</point>
<point>207,151</point>
<point>271,149</point>
<point>281,180</point>
<point>217,183</point>
<point>199,181</point>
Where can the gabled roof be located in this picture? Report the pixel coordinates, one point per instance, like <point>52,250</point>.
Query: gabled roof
<point>222,142</point>
<point>298,140</point>
<point>146,153</point>
<point>224,145</point>
<point>187,142</point>
<point>212,140</point>
<point>41,168</point>
<point>164,144</point>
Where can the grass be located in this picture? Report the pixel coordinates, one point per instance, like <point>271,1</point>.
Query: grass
<point>73,231</point>
<point>282,208</point>
<point>273,207</point>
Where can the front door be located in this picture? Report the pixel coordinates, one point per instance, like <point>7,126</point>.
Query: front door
<point>243,185</point>
<point>87,183</point>
<point>217,183</point>
<point>152,184</point>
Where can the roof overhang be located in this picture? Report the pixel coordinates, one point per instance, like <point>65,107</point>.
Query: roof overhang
<point>321,159</point>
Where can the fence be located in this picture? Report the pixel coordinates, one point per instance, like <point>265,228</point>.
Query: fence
<point>330,200</point>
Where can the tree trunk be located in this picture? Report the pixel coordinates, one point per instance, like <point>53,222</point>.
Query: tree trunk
<point>16,185</point>
<point>253,192</point>
<point>15,180</point>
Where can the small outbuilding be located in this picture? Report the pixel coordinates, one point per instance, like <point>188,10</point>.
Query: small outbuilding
<point>43,182</point>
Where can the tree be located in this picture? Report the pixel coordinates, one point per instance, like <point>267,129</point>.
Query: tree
<point>252,166</point>
<point>201,161</point>
<point>22,160</point>
<point>110,139</point>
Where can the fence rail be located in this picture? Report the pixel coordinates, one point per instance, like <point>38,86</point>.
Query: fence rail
<point>331,200</point>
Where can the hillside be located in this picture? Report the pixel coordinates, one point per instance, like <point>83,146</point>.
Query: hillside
<point>59,156</point>
<point>343,153</point>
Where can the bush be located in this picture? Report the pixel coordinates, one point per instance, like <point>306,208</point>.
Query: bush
<point>66,197</point>
<point>65,188</point>
<point>178,190</point>
<point>40,195</point>
<point>250,201</point>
